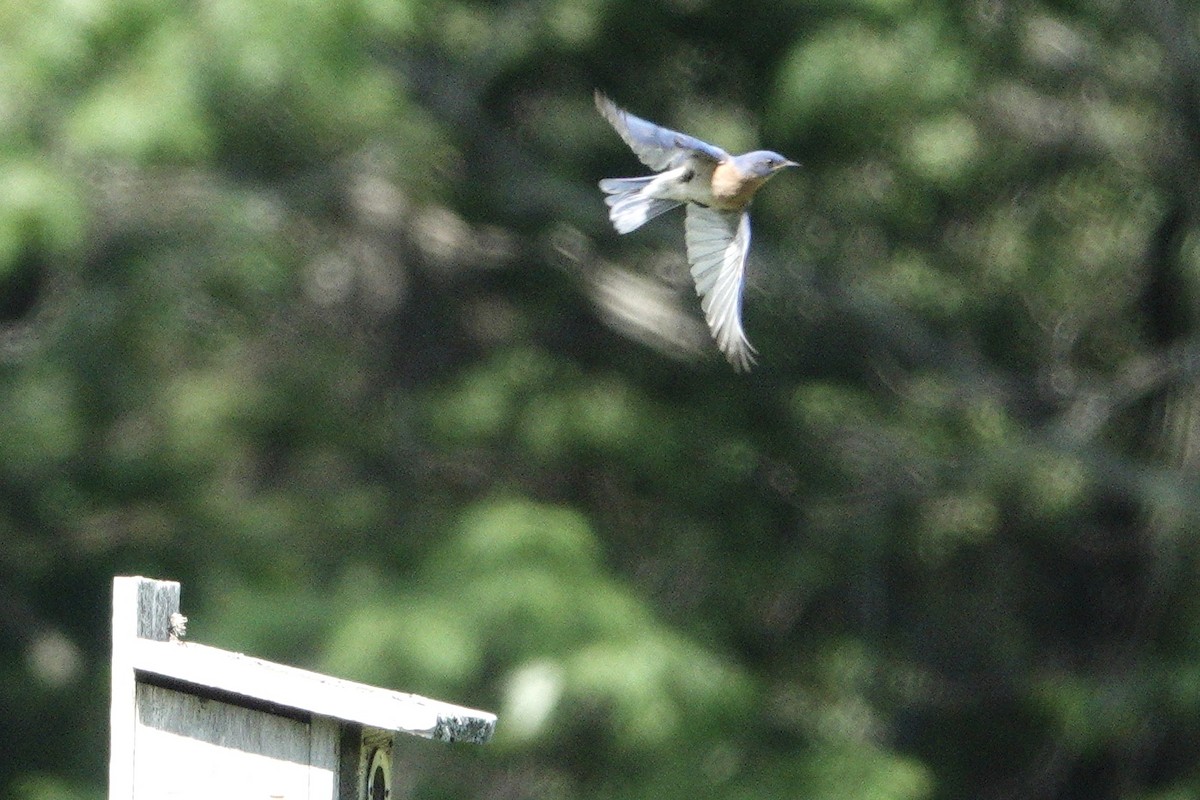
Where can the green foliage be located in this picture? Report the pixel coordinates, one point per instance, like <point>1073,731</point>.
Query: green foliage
<point>313,305</point>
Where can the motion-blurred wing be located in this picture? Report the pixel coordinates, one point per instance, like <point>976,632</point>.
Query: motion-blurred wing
<point>656,146</point>
<point>717,244</point>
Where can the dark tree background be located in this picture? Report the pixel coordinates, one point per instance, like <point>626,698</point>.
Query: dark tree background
<point>313,305</point>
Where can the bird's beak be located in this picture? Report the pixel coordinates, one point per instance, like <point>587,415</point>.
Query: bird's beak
<point>787,164</point>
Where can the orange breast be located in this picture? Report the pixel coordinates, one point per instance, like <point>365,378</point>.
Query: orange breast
<point>731,188</point>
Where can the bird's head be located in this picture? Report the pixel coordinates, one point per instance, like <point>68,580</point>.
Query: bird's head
<point>762,163</point>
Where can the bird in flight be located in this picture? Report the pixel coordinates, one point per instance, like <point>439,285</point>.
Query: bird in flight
<point>717,189</point>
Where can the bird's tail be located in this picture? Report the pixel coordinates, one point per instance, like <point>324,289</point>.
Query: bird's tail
<point>628,207</point>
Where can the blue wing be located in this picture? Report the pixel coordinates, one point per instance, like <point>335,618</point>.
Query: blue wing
<point>658,148</point>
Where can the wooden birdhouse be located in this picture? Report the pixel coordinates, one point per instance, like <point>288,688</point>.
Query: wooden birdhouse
<point>190,721</point>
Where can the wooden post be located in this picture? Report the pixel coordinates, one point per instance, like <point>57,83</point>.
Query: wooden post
<point>141,610</point>
<point>190,721</point>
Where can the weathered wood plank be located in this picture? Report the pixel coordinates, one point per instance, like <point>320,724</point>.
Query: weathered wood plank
<point>324,758</point>
<point>223,671</point>
<point>191,748</point>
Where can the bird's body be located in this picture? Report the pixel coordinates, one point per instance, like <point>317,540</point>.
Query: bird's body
<point>717,189</point>
<point>733,188</point>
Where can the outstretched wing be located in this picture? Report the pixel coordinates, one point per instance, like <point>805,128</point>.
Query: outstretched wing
<point>656,146</point>
<point>717,244</point>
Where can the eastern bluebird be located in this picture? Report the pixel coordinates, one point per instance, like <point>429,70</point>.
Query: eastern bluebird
<point>717,189</point>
